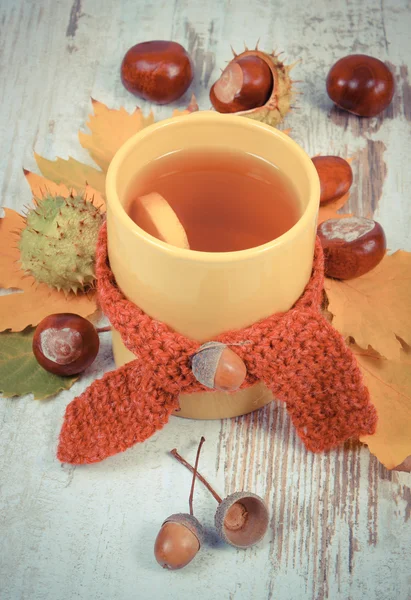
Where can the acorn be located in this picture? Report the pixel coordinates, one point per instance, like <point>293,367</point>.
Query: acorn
<point>181,535</point>
<point>241,519</point>
<point>255,84</point>
<point>217,367</point>
<point>178,541</point>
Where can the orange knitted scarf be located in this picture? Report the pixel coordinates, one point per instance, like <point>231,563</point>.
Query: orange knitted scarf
<point>298,354</point>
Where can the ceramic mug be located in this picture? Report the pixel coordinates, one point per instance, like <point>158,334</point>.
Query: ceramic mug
<point>202,294</point>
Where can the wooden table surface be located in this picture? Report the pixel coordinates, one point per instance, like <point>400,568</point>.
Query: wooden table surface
<point>340,523</point>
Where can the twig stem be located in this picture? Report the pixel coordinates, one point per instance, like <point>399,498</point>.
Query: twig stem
<point>190,500</point>
<point>198,475</point>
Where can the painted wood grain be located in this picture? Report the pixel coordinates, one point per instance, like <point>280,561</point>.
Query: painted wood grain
<point>340,523</point>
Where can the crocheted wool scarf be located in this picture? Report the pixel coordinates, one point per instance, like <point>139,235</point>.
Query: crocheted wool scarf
<point>301,358</point>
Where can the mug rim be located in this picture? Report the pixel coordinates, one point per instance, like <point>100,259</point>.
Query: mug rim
<point>112,199</point>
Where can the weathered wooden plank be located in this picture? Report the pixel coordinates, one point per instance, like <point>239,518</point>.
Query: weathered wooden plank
<point>340,523</point>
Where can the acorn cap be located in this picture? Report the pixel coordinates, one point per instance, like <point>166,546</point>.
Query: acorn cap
<point>242,519</point>
<point>204,370</point>
<point>190,522</point>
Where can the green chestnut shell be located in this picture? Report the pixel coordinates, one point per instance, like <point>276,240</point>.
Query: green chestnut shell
<point>57,245</point>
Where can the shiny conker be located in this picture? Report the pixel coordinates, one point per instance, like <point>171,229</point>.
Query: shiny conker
<point>352,246</point>
<point>335,176</point>
<point>360,84</point>
<point>158,71</point>
<point>245,83</point>
<point>65,344</point>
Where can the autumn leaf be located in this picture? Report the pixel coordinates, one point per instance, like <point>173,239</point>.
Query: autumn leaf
<point>405,465</point>
<point>71,173</point>
<point>192,107</point>
<point>375,309</point>
<point>329,211</point>
<point>389,383</point>
<point>20,372</point>
<point>110,128</point>
<point>36,301</point>
<point>40,186</point>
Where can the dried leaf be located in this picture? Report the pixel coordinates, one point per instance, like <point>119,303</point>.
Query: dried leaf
<point>40,186</point>
<point>405,465</point>
<point>110,128</point>
<point>71,173</point>
<point>192,107</point>
<point>329,211</point>
<point>389,382</point>
<point>18,310</point>
<point>21,374</point>
<point>375,309</point>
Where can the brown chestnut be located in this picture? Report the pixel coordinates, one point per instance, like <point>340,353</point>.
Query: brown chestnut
<point>335,177</point>
<point>65,344</point>
<point>360,84</point>
<point>245,83</point>
<point>352,246</point>
<point>158,71</point>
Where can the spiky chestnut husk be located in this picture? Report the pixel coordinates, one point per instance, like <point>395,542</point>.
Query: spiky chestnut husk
<point>57,245</point>
<point>278,103</point>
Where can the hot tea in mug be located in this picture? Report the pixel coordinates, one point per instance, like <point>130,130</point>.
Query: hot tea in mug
<point>226,200</point>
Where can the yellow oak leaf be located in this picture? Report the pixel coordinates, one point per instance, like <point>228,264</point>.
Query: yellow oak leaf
<point>389,383</point>
<point>71,173</point>
<point>110,128</point>
<point>375,309</point>
<point>36,301</point>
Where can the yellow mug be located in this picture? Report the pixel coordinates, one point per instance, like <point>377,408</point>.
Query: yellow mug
<point>203,294</point>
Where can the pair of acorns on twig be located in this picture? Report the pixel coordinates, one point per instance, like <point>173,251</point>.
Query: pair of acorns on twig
<point>241,520</point>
